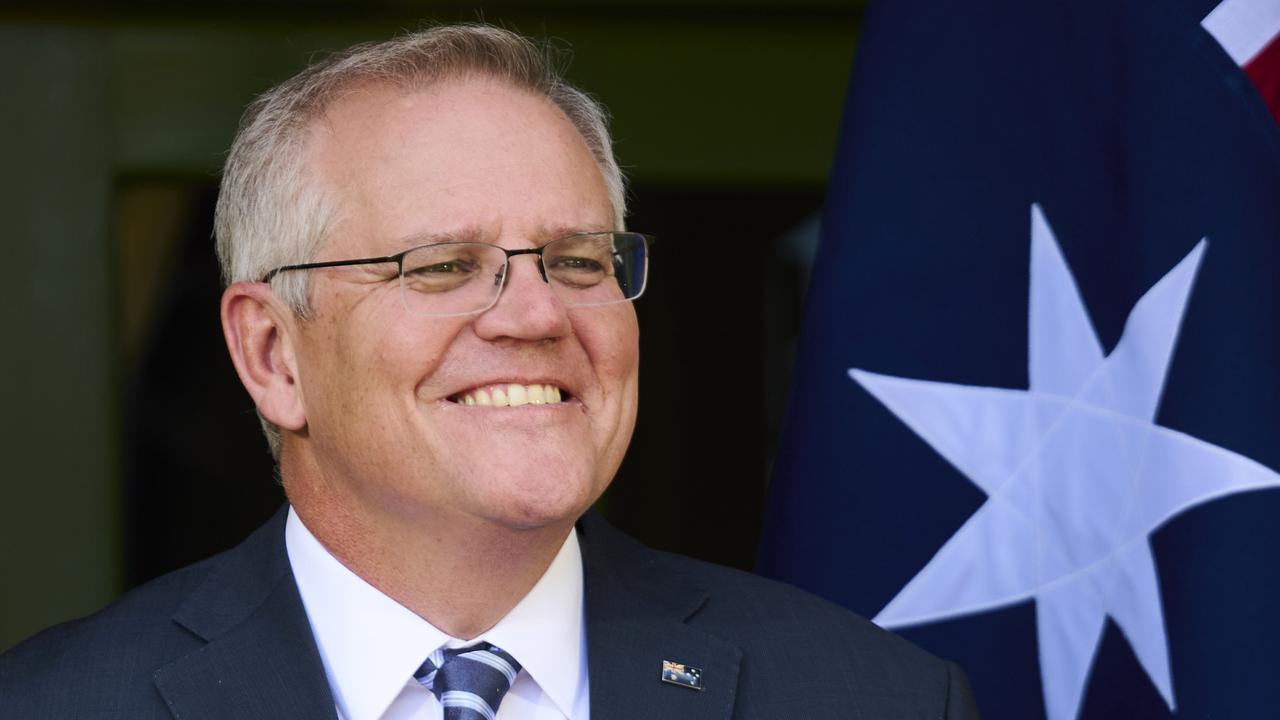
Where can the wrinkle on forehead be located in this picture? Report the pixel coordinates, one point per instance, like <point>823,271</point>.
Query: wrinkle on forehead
<point>538,237</point>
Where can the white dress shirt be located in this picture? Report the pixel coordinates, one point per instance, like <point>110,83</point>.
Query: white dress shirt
<point>371,645</point>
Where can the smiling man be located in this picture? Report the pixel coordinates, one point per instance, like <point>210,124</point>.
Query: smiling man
<point>429,301</point>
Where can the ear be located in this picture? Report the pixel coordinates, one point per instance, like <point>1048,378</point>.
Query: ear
<point>257,328</point>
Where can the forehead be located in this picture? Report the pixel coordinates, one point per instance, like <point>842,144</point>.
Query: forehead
<point>460,155</point>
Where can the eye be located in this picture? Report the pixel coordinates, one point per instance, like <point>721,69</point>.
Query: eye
<point>441,268</point>
<point>445,267</point>
<point>574,262</point>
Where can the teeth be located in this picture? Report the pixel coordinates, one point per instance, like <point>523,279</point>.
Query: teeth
<point>513,395</point>
<point>517,395</point>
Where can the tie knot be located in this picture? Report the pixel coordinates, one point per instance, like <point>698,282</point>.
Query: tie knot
<point>470,682</point>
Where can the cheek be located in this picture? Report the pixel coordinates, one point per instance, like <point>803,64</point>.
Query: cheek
<point>370,371</point>
<point>613,347</point>
<point>409,355</point>
<point>625,362</point>
<point>612,344</point>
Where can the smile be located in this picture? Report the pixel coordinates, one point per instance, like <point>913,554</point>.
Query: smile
<point>511,395</point>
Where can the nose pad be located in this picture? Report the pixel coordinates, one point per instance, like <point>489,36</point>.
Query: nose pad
<point>503,275</point>
<point>500,277</point>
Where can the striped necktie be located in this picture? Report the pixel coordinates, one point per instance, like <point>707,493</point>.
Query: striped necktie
<point>469,682</point>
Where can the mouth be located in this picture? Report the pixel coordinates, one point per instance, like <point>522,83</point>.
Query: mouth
<point>512,395</point>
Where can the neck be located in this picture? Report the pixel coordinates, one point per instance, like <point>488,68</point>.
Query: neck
<point>461,574</point>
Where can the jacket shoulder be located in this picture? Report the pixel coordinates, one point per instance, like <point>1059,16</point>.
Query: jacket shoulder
<point>101,665</point>
<point>766,612</point>
<point>799,651</point>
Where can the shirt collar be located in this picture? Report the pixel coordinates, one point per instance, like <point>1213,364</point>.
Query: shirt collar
<point>371,645</point>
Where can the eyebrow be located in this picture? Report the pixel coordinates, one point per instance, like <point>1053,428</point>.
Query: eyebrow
<point>470,234</point>
<point>541,236</point>
<point>559,231</point>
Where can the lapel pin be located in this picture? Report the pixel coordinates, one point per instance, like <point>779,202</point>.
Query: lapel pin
<point>682,675</point>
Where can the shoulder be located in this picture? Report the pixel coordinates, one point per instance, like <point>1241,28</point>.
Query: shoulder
<point>796,644</point>
<point>117,649</point>
<point>757,609</point>
<point>766,614</point>
<point>104,665</point>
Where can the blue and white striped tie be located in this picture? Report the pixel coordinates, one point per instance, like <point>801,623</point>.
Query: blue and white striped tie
<point>470,682</point>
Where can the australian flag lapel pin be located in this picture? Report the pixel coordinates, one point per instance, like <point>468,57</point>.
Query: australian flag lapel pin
<point>683,675</point>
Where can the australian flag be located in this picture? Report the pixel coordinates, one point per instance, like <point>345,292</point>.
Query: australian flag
<point>1035,420</point>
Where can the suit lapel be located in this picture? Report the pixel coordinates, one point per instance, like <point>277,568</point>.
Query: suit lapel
<point>261,659</point>
<point>636,618</point>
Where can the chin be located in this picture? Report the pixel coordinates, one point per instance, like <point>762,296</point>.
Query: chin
<point>538,514</point>
<point>535,505</point>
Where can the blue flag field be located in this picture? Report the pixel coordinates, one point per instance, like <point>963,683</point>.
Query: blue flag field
<point>1035,417</point>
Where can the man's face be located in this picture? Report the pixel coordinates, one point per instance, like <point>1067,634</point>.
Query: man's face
<point>475,160</point>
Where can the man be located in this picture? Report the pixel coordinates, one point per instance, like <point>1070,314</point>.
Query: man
<point>429,302</point>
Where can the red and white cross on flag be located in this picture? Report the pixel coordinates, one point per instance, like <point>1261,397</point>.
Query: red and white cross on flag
<point>1249,30</point>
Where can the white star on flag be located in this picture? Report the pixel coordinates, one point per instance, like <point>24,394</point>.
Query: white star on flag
<point>1078,476</point>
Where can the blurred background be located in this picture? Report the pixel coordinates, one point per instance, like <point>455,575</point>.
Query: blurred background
<point>130,448</point>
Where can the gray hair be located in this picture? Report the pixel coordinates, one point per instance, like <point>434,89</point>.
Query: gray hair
<point>272,211</point>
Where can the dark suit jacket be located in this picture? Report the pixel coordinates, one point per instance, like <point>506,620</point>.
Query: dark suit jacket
<point>228,638</point>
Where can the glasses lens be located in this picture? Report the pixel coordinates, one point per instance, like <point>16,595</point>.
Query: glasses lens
<point>451,278</point>
<point>597,269</point>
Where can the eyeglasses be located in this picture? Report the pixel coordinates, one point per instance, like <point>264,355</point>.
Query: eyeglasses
<point>462,278</point>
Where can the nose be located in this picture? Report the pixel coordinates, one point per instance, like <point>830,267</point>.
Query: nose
<point>527,308</point>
